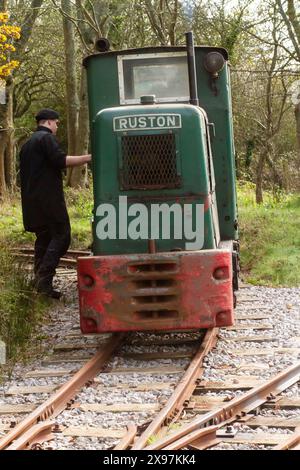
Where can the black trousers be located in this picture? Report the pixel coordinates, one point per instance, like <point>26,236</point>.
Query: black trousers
<point>52,242</point>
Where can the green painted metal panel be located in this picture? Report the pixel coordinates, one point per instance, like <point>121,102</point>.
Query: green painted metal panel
<point>103,89</point>
<point>219,112</point>
<point>103,84</point>
<point>193,171</point>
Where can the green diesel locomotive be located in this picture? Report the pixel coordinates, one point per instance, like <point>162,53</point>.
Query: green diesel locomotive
<point>165,230</point>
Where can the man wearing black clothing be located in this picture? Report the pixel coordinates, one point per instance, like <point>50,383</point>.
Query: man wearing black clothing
<point>43,203</point>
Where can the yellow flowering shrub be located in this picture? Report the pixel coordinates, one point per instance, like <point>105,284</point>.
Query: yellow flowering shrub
<point>7,34</point>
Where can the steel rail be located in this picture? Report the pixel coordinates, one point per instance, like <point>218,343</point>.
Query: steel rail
<point>72,253</point>
<point>57,403</point>
<point>291,443</point>
<point>69,262</point>
<point>181,393</point>
<point>127,439</point>
<point>204,437</point>
<point>40,432</point>
<point>235,408</point>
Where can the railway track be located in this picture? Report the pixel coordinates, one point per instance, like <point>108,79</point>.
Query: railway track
<point>69,260</point>
<point>161,391</point>
<point>224,423</point>
<point>205,431</point>
<point>38,426</point>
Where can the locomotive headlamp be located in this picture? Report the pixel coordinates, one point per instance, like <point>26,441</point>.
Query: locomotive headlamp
<point>221,273</point>
<point>102,45</point>
<point>214,63</point>
<point>88,281</point>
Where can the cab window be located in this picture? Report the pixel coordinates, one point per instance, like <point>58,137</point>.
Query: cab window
<point>164,75</point>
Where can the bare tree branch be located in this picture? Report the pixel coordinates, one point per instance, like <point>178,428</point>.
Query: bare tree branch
<point>289,25</point>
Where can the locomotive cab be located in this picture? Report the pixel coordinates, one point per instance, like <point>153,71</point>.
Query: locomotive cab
<point>165,217</point>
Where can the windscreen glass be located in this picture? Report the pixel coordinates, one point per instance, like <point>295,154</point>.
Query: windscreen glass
<point>164,77</point>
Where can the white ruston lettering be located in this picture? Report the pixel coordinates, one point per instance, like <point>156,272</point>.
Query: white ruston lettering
<point>142,121</point>
<point>161,121</point>
<point>171,121</point>
<point>152,120</point>
<point>132,121</point>
<point>123,123</point>
<point>155,121</point>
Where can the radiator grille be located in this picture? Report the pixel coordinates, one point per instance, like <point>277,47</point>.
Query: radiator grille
<point>155,293</point>
<point>149,162</point>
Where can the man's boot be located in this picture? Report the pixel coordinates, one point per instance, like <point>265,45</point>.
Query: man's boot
<point>44,286</point>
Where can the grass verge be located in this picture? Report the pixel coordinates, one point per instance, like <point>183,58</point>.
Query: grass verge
<point>79,203</point>
<point>21,310</point>
<point>270,238</point>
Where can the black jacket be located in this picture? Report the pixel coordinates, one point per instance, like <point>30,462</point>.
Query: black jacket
<point>41,162</point>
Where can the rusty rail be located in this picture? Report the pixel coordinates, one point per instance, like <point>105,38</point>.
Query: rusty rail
<point>127,439</point>
<point>68,262</point>
<point>235,408</point>
<point>201,438</point>
<point>57,403</point>
<point>182,392</point>
<point>38,433</point>
<point>291,443</point>
<point>72,253</point>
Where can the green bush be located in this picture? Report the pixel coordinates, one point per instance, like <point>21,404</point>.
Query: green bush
<point>79,203</point>
<point>270,237</point>
<point>20,308</point>
<point>80,208</point>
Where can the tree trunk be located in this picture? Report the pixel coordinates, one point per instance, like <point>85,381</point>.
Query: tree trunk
<point>4,134</point>
<point>7,154</point>
<point>297,116</point>
<point>78,175</point>
<point>72,103</point>
<point>7,151</point>
<point>259,178</point>
<point>3,187</point>
<point>10,160</point>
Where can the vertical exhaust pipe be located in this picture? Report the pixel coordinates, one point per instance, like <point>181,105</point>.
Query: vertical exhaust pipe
<point>191,68</point>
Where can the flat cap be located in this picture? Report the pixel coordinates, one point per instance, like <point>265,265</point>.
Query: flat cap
<point>46,114</point>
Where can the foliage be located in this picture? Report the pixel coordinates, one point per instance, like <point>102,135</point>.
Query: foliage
<point>80,207</point>
<point>270,237</point>
<point>263,111</point>
<point>243,27</point>
<point>7,34</point>
<point>221,24</point>
<point>20,308</point>
<point>39,82</point>
<point>11,226</point>
<point>79,203</point>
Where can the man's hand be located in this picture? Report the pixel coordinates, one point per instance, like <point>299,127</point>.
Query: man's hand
<point>77,160</point>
